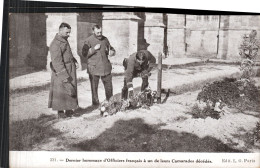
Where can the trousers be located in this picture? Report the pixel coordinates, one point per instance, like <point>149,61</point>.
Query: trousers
<point>124,94</point>
<point>107,82</point>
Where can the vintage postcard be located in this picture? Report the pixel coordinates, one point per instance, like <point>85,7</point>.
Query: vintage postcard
<point>100,86</point>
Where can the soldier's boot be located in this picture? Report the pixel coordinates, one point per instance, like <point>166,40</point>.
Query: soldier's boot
<point>145,83</point>
<point>124,93</point>
<point>69,113</point>
<point>61,114</point>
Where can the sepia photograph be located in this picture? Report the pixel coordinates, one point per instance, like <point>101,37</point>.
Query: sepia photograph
<point>136,82</point>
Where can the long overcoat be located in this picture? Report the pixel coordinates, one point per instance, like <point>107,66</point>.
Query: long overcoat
<point>63,67</point>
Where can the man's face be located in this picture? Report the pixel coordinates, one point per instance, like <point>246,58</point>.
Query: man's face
<point>65,32</point>
<point>98,32</point>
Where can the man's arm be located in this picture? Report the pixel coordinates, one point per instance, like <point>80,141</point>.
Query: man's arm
<point>58,63</point>
<point>151,61</point>
<point>112,51</point>
<point>87,50</point>
<point>129,73</point>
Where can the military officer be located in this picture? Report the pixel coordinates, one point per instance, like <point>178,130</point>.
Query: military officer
<point>63,88</point>
<point>96,49</point>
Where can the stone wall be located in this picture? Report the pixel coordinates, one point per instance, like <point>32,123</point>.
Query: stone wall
<point>176,35</point>
<point>121,29</point>
<point>38,48</point>
<point>208,36</point>
<point>20,39</point>
<point>232,29</point>
<point>192,35</point>
<point>203,36</point>
<point>154,32</point>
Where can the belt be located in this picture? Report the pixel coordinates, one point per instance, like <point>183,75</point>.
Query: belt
<point>67,62</point>
<point>53,70</point>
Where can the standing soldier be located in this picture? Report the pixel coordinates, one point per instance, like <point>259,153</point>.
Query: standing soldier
<point>138,64</point>
<point>63,90</point>
<point>97,49</point>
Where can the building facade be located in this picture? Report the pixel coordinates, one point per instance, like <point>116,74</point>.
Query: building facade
<point>176,35</point>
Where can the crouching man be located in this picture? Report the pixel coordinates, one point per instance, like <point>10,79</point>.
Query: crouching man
<point>137,65</point>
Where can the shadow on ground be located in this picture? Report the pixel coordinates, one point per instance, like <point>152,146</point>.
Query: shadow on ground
<point>15,72</point>
<point>25,134</point>
<point>80,111</point>
<point>136,136</point>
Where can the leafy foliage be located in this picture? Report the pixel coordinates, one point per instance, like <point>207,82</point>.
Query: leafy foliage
<point>253,137</point>
<point>143,99</point>
<point>256,132</point>
<point>225,90</point>
<point>241,94</point>
<point>248,51</point>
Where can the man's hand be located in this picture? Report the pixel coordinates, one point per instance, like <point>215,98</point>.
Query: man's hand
<point>69,79</point>
<point>112,53</point>
<point>65,80</point>
<point>145,73</point>
<point>97,47</point>
<point>76,62</point>
<point>130,94</point>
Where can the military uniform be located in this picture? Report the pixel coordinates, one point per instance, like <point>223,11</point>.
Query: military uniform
<point>63,69</point>
<point>134,69</point>
<point>98,65</point>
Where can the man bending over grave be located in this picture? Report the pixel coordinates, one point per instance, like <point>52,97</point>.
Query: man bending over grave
<point>137,65</point>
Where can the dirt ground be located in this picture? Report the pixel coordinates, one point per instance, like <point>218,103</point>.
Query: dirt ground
<point>167,127</point>
<point>31,104</point>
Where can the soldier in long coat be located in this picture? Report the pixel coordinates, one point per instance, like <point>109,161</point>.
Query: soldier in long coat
<point>97,49</point>
<point>63,89</point>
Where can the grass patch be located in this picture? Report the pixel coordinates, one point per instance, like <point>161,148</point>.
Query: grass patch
<point>256,132</point>
<point>25,134</point>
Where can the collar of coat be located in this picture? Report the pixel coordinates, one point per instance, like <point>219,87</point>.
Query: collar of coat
<point>99,38</point>
<point>146,62</point>
<point>58,37</point>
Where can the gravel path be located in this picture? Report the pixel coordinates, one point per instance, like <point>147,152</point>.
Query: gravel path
<point>33,104</point>
<point>165,127</point>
